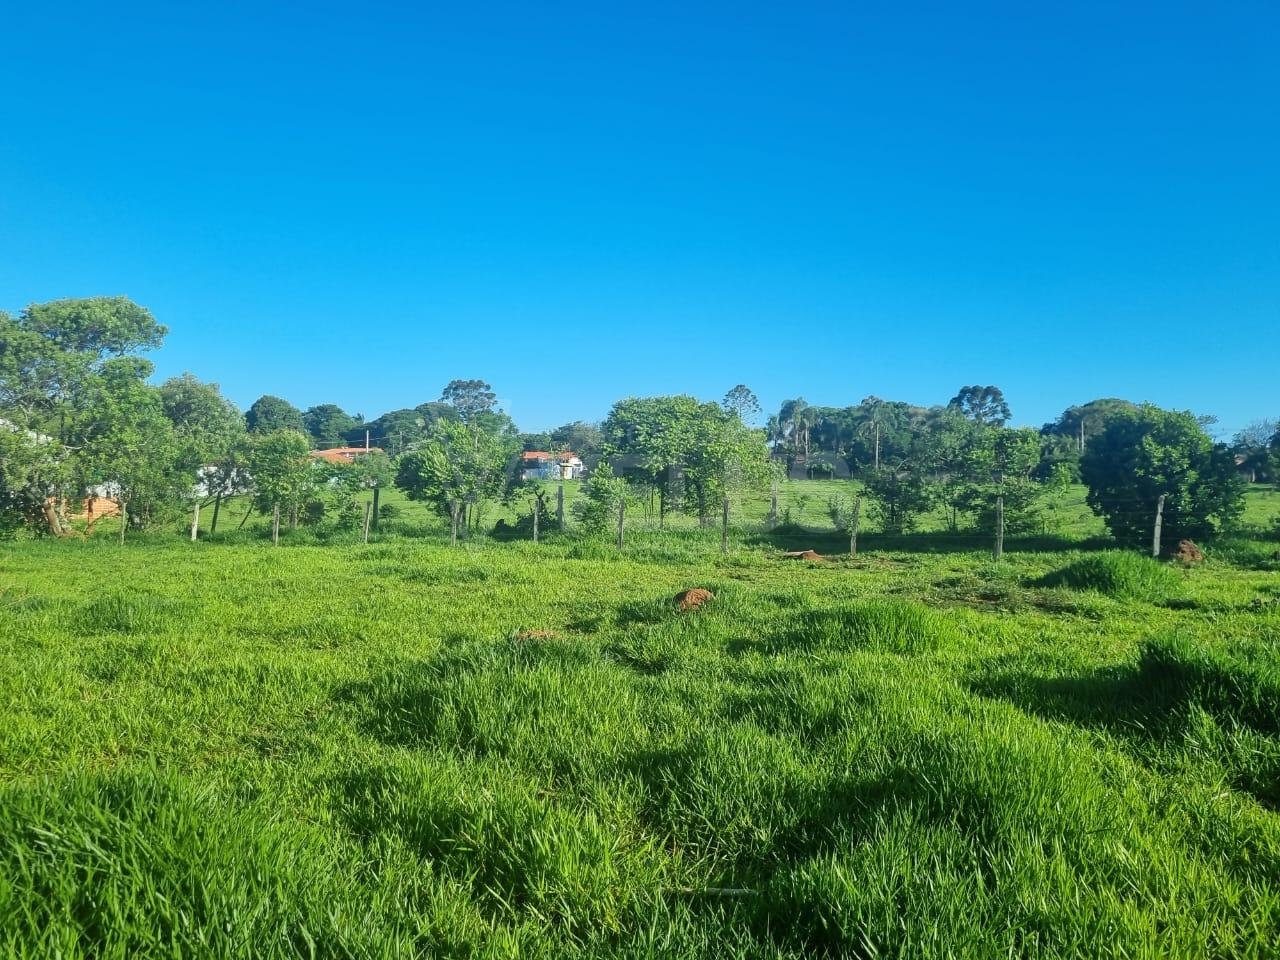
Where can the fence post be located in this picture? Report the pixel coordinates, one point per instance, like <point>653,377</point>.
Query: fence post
<point>453,523</point>
<point>376,491</point>
<point>275,526</point>
<point>537,509</point>
<point>195,522</point>
<point>368,513</point>
<point>560,507</point>
<point>853,532</point>
<point>1155,535</point>
<point>773,504</point>
<point>724,527</point>
<point>124,518</point>
<point>999,549</point>
<point>622,513</point>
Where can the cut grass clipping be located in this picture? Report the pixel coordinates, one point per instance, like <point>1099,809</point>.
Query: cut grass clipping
<point>1121,575</point>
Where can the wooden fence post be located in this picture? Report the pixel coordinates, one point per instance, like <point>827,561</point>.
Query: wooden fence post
<point>124,518</point>
<point>537,509</point>
<point>368,513</point>
<point>376,491</point>
<point>998,552</point>
<point>560,507</point>
<point>853,531</point>
<point>1155,535</point>
<point>195,522</point>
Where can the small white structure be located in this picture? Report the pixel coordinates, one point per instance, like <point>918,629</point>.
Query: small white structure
<point>540,465</point>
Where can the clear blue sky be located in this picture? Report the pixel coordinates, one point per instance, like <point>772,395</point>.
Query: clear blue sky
<point>355,203</point>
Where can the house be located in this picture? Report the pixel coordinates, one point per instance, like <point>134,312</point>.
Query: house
<point>540,465</point>
<point>343,455</point>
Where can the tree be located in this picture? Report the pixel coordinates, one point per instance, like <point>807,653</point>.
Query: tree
<point>458,468</point>
<point>1253,446</point>
<point>985,405</point>
<point>469,398</point>
<point>328,424</point>
<point>584,439</point>
<point>369,472</point>
<point>269,414</point>
<point>130,446</point>
<point>55,361</point>
<point>596,509</point>
<point>284,474</point>
<point>1146,453</point>
<point>742,401</point>
<point>32,470</point>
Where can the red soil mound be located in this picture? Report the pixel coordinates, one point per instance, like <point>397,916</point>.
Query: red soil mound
<point>693,599</point>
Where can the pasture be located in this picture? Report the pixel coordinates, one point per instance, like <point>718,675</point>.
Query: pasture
<point>501,749</point>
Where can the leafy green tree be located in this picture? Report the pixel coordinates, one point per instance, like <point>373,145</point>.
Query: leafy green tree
<point>328,424</point>
<point>596,508</point>
<point>742,401</point>
<point>368,473</point>
<point>1148,452</point>
<point>1253,446</point>
<point>650,440</point>
<point>1000,462</point>
<point>985,405</point>
<point>284,474</point>
<point>55,359</point>
<point>131,448</point>
<point>269,414</point>
<point>584,439</point>
<point>458,469</point>
<point>469,398</point>
<point>32,470</point>
<point>898,497</point>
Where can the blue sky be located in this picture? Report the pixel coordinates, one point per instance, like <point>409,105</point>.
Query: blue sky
<point>356,203</point>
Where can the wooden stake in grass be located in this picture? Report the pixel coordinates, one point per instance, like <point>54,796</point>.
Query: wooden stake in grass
<point>560,507</point>
<point>368,513</point>
<point>195,522</point>
<point>998,552</point>
<point>1155,534</point>
<point>124,519</point>
<point>275,526</point>
<point>853,527</point>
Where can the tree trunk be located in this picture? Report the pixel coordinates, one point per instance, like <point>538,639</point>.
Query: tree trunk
<point>124,519</point>
<point>275,526</point>
<point>376,492</point>
<point>999,548</point>
<point>453,523</point>
<point>195,522</point>
<point>217,505</point>
<point>622,515</point>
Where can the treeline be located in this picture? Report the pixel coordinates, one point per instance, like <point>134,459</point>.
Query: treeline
<point>78,417</point>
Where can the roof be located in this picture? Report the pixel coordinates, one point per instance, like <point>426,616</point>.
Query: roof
<point>543,455</point>
<point>343,454</point>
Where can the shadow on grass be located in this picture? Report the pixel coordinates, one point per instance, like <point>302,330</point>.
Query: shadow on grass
<point>831,542</point>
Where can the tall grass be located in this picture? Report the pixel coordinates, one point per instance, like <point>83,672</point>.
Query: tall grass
<point>398,749</point>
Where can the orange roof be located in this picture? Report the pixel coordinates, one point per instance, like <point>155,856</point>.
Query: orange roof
<point>343,454</point>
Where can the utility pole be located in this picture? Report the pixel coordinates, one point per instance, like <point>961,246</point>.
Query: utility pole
<point>1155,536</point>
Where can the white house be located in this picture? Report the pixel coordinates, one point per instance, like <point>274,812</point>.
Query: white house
<point>540,465</point>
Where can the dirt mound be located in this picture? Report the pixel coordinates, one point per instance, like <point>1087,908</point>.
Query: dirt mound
<point>525,636</point>
<point>693,599</point>
<point>802,555</point>
<point>1188,552</point>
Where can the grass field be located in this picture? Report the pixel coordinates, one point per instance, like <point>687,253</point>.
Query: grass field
<point>402,749</point>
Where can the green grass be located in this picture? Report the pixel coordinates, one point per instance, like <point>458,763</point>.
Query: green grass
<point>346,750</point>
